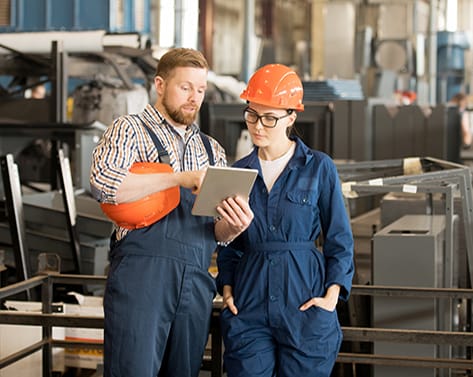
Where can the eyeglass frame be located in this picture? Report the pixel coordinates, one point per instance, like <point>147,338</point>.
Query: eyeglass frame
<point>259,118</point>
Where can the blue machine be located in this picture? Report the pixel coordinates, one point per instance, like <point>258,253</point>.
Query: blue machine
<point>46,15</point>
<point>451,48</point>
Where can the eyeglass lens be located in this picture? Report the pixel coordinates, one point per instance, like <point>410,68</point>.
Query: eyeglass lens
<point>266,120</point>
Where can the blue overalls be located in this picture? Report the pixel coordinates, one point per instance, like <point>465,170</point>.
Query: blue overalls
<point>159,294</point>
<point>274,267</point>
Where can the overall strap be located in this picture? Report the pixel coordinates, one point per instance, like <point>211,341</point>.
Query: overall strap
<point>208,148</point>
<point>162,153</point>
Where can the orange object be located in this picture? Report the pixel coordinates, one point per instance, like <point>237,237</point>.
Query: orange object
<point>275,85</point>
<point>148,210</point>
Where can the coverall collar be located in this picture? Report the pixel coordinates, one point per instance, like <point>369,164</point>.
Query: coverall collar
<point>302,156</point>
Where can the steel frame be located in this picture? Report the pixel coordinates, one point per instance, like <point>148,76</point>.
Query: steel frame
<point>376,177</point>
<point>385,176</point>
<point>47,320</point>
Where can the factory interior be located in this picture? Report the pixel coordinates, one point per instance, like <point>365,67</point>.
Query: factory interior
<point>379,78</point>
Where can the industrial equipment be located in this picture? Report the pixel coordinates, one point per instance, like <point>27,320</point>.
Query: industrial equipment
<point>409,253</point>
<point>86,91</point>
<point>42,15</point>
<point>451,47</point>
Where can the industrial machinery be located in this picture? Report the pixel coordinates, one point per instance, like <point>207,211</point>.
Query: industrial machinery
<point>410,253</point>
<point>87,85</point>
<point>86,90</point>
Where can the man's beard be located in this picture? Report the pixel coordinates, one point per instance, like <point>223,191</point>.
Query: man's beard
<point>178,116</point>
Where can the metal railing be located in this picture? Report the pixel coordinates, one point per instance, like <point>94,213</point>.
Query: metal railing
<point>409,336</point>
<point>47,320</point>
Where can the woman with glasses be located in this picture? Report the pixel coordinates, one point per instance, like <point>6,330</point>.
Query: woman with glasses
<point>279,290</point>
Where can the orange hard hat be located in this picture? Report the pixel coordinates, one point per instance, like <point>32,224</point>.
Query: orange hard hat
<point>147,210</point>
<point>275,85</point>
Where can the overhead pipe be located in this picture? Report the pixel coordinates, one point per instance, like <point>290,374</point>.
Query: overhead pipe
<point>432,52</point>
<point>186,23</point>
<point>249,50</point>
<point>178,17</point>
<point>206,22</point>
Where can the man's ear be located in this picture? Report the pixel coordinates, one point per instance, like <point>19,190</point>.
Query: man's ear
<point>159,84</point>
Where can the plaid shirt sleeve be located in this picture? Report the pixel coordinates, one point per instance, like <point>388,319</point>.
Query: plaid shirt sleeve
<point>111,160</point>
<point>219,153</point>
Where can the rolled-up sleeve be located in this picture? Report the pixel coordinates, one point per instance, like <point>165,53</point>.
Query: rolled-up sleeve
<point>111,159</point>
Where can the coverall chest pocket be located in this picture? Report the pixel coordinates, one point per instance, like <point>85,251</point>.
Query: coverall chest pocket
<point>303,202</point>
<point>184,228</point>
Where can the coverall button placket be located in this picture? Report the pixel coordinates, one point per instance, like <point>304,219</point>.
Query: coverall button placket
<point>273,212</point>
<point>274,290</point>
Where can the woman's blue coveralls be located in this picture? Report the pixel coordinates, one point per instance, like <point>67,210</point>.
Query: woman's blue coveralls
<point>274,267</point>
<point>169,305</point>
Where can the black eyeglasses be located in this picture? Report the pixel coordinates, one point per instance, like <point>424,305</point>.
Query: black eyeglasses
<point>268,121</point>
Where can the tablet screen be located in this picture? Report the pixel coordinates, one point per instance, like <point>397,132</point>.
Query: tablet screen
<point>220,183</point>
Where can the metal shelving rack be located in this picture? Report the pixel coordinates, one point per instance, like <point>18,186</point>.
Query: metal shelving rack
<point>417,175</point>
<point>428,176</point>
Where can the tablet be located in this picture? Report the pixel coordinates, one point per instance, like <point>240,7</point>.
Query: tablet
<point>220,183</point>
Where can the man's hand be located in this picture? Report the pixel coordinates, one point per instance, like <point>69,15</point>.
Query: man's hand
<point>137,186</point>
<point>191,179</point>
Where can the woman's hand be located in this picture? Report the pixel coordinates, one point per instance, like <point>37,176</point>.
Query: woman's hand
<point>236,217</point>
<point>228,299</point>
<point>328,302</point>
<point>237,213</point>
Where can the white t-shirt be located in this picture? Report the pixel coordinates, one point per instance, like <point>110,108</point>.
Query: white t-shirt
<point>272,169</point>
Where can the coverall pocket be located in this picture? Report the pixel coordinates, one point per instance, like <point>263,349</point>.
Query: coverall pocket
<point>229,323</point>
<point>317,319</point>
<point>301,205</point>
<point>226,313</point>
<point>301,197</point>
<point>200,227</point>
<point>321,330</point>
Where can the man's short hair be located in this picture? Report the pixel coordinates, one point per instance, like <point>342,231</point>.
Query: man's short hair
<point>180,57</point>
